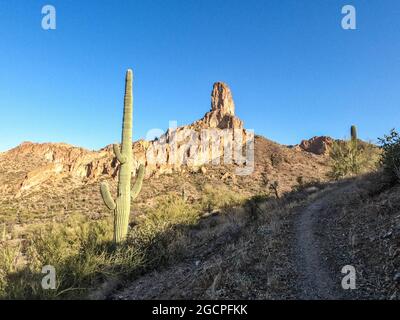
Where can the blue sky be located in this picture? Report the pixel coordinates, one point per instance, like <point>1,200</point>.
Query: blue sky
<point>294,72</point>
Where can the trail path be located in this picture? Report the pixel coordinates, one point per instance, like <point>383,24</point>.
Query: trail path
<point>309,274</point>
<point>315,279</point>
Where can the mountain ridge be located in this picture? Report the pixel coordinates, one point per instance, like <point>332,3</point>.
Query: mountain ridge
<point>190,147</point>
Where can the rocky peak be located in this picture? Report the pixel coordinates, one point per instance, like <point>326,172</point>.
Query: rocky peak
<point>222,113</point>
<point>221,99</point>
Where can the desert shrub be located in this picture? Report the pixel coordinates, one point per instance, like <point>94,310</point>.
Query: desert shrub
<point>274,188</point>
<point>220,197</point>
<point>390,159</point>
<point>83,256</point>
<point>350,158</point>
<point>8,257</point>
<point>276,159</point>
<point>162,230</point>
<point>304,184</point>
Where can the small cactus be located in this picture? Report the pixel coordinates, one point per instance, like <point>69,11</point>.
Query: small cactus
<point>122,205</point>
<point>353,133</point>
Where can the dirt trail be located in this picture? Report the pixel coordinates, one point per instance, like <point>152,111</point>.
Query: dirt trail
<point>315,279</point>
<point>294,256</point>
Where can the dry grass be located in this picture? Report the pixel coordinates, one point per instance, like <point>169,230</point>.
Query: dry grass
<point>78,247</point>
<point>237,253</point>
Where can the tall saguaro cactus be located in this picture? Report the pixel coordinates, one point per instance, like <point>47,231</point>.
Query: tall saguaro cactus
<point>122,205</point>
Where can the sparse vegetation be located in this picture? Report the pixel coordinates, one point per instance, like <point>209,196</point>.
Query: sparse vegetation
<point>276,159</point>
<point>219,198</point>
<point>270,186</point>
<point>363,224</point>
<point>352,157</point>
<point>79,249</point>
<point>274,187</point>
<point>240,255</point>
<point>391,154</point>
<point>84,257</point>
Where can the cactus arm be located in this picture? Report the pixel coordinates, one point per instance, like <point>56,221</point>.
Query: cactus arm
<point>121,158</point>
<point>138,184</point>
<point>106,195</point>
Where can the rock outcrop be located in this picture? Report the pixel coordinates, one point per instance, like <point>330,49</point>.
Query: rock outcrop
<point>222,113</point>
<point>44,161</point>
<point>317,145</point>
<point>217,138</point>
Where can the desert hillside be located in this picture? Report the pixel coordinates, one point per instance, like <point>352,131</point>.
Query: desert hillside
<point>51,180</point>
<point>293,248</point>
<point>200,228</point>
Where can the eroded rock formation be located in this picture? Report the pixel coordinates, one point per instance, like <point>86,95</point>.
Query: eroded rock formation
<point>217,138</point>
<point>222,113</point>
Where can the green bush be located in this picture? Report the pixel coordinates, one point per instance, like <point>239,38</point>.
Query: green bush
<point>390,159</point>
<point>353,157</point>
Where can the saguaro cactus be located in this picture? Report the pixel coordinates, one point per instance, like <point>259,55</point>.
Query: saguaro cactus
<point>122,205</point>
<point>353,133</point>
<point>354,153</point>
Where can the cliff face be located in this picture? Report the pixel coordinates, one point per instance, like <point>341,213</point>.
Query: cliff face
<point>31,164</point>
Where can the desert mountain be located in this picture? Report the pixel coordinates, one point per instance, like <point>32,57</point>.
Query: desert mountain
<point>264,248</point>
<point>56,177</point>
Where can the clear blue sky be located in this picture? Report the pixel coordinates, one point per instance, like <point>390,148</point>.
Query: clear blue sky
<point>293,70</point>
